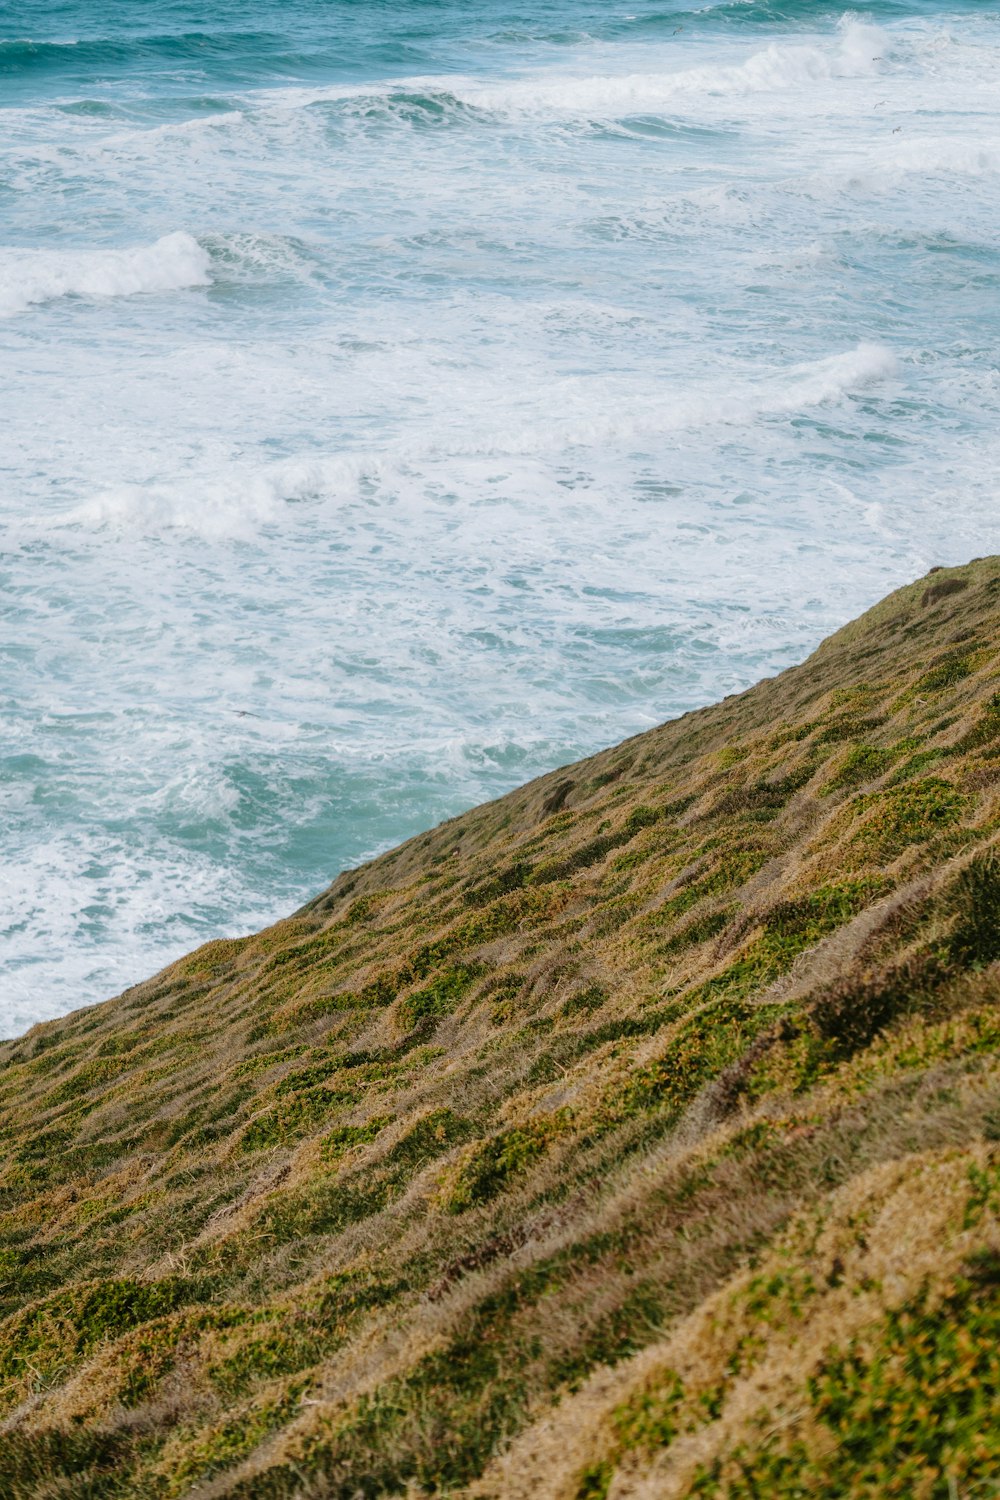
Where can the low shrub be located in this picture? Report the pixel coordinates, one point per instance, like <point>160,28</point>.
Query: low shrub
<point>861,763</point>
<point>975,939</point>
<point>440,997</point>
<point>492,1164</point>
<point>906,814</point>
<point>850,1013</point>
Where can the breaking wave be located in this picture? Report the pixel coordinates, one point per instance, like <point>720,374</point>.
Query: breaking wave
<point>29,277</point>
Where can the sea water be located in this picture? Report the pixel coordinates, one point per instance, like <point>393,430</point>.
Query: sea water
<point>400,398</point>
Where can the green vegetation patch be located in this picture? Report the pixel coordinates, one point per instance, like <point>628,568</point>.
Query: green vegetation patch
<point>428,1137</point>
<point>725,869</point>
<point>975,939</point>
<point>207,1452</point>
<point>908,1409</point>
<point>597,849</point>
<point>441,996</point>
<point>846,727</point>
<point>917,765</point>
<point>984,732</point>
<point>715,1037</point>
<point>760,801</point>
<point>792,926</point>
<point>96,1458</point>
<point>38,1338</point>
<point>907,814</point>
<point>490,1166</point>
<point>584,1001</point>
<point>699,930</point>
<point>294,1115</point>
<point>343,1138</point>
<point>89,1075</point>
<point>944,674</point>
<point>482,892</point>
<point>267,1356</point>
<point>861,763</point>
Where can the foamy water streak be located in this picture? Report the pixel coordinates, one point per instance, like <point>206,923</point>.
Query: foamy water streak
<point>399,404</point>
<point>249,501</point>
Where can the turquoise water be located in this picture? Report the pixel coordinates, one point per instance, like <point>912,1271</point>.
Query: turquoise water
<point>401,399</point>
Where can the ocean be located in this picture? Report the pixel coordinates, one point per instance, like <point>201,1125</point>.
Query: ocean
<point>401,398</point>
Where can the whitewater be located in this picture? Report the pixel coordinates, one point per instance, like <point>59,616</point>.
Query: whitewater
<point>399,401</point>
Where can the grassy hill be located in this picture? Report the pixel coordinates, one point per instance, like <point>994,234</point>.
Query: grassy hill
<point>637,1134</point>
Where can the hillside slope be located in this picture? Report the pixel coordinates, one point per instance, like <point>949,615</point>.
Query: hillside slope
<point>633,1135</point>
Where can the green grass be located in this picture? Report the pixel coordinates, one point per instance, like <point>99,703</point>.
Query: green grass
<point>909,1409</point>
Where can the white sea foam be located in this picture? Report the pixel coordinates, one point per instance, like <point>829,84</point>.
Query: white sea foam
<point>932,156</point>
<point>209,509</point>
<point>259,257</point>
<point>858,52</point>
<point>824,380</point>
<point>235,507</point>
<point>28,277</point>
<point>224,119</point>
<point>228,507</point>
<point>797,389</point>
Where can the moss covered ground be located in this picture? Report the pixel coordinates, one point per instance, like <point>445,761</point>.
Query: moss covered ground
<point>636,1134</point>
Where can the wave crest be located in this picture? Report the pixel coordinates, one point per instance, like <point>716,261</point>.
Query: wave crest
<point>858,51</point>
<point>30,277</point>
